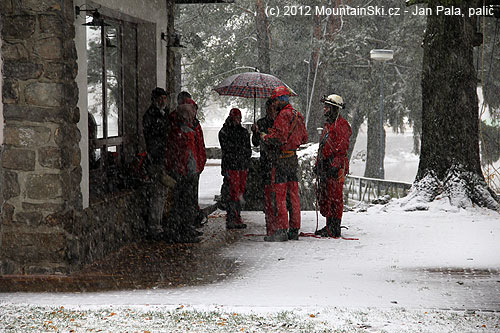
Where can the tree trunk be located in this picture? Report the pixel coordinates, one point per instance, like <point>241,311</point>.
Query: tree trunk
<point>449,160</point>
<point>374,152</point>
<point>357,120</point>
<point>318,68</point>
<point>264,59</point>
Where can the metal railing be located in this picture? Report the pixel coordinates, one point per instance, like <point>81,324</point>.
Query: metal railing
<point>367,189</point>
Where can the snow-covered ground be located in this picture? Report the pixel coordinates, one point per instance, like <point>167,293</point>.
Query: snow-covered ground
<point>426,271</point>
<point>433,271</point>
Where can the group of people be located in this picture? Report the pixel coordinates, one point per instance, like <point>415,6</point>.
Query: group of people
<point>176,156</point>
<point>175,167</point>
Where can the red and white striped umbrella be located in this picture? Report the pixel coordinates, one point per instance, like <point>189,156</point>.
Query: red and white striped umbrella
<point>250,85</point>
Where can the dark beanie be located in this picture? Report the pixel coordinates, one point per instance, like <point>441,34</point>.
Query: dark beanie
<point>157,92</point>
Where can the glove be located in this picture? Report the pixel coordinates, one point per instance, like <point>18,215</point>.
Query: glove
<point>332,172</point>
<point>167,180</point>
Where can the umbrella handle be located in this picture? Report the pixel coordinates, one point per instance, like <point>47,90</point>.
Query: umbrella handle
<point>254,102</point>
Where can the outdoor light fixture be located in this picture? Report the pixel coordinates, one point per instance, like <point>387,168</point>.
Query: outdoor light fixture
<point>97,20</point>
<point>175,39</point>
<point>382,56</point>
<point>109,44</point>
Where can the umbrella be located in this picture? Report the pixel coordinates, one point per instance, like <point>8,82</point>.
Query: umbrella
<point>250,84</point>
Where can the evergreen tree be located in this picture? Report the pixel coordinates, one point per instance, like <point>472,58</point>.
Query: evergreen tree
<point>449,161</point>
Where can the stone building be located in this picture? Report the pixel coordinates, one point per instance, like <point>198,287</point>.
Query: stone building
<point>76,78</point>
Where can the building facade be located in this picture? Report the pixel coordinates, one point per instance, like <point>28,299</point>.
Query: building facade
<point>76,78</point>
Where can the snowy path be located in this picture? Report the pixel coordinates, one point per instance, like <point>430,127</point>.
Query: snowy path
<point>414,260</point>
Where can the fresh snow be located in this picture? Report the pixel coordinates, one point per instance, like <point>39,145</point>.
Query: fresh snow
<point>431,271</point>
<point>436,270</point>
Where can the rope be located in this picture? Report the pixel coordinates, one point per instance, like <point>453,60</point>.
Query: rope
<point>308,234</point>
<point>305,234</point>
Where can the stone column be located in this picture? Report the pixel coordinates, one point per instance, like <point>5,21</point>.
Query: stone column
<point>41,158</point>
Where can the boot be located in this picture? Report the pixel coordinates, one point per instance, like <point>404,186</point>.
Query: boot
<point>322,232</point>
<point>187,239</point>
<point>336,227</point>
<point>201,219</point>
<point>233,225</point>
<point>155,232</point>
<point>233,220</point>
<point>332,228</point>
<point>280,235</point>
<point>182,235</point>
<point>293,234</point>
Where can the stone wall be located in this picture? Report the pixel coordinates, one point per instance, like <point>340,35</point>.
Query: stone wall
<point>104,227</point>
<point>41,157</point>
<point>44,229</point>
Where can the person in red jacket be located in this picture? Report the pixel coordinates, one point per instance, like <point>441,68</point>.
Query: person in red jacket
<point>288,132</point>
<point>182,166</point>
<point>332,165</point>
<point>200,151</point>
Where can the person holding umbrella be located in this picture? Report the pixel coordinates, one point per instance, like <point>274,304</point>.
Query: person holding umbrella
<point>288,132</point>
<point>236,152</point>
<point>268,155</point>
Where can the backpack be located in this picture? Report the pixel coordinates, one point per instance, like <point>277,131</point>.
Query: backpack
<point>298,131</point>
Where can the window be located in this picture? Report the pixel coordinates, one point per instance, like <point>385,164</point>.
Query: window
<point>105,105</point>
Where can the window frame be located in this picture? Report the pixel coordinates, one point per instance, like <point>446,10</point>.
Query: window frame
<point>102,175</point>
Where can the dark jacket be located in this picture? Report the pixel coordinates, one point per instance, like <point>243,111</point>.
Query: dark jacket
<point>268,152</point>
<point>155,125</point>
<point>235,145</point>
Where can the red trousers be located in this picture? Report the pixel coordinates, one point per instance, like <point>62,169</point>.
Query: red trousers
<point>331,197</point>
<point>281,190</point>
<point>283,187</point>
<point>237,183</point>
<point>276,206</point>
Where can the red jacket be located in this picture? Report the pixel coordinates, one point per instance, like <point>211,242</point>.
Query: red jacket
<point>288,129</point>
<point>334,144</point>
<point>181,149</point>
<point>200,151</point>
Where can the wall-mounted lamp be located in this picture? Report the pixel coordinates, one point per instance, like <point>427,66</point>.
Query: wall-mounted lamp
<point>109,43</point>
<point>97,20</point>
<point>175,39</point>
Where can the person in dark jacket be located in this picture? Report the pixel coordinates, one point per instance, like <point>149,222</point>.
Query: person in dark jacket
<point>332,165</point>
<point>268,155</point>
<point>156,125</point>
<point>234,141</point>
